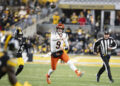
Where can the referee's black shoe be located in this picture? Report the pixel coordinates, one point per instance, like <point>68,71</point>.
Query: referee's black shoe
<point>111,81</point>
<point>97,78</point>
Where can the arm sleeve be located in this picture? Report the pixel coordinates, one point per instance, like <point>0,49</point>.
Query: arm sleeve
<point>95,45</point>
<point>114,44</point>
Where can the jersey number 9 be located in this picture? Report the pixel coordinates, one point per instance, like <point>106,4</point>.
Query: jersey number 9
<point>58,44</point>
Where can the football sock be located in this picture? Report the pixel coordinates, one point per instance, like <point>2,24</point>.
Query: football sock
<point>71,65</point>
<point>50,72</point>
<point>19,69</point>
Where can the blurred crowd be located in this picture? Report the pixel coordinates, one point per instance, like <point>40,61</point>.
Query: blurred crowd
<point>84,18</point>
<point>9,17</point>
<point>23,11</point>
<point>31,3</point>
<point>117,20</point>
<point>80,42</point>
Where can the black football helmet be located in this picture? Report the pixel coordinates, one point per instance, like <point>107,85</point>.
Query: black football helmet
<point>18,33</point>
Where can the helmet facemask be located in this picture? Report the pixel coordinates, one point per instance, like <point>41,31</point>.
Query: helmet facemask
<point>19,35</point>
<point>60,28</point>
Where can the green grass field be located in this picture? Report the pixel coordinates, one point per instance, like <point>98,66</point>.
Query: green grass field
<point>64,76</point>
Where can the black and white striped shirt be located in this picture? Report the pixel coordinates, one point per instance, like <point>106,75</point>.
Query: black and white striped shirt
<point>103,45</point>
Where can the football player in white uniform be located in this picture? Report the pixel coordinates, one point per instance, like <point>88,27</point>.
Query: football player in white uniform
<point>58,40</point>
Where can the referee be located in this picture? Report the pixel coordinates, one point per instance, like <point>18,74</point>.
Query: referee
<point>104,46</point>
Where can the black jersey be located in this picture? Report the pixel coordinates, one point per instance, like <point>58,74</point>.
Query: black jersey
<point>22,46</point>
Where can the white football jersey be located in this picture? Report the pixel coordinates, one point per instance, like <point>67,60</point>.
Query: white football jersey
<point>58,42</point>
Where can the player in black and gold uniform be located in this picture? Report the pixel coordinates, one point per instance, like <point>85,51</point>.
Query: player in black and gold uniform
<point>6,51</point>
<point>20,61</point>
<point>9,46</point>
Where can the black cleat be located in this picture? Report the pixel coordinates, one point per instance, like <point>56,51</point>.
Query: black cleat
<point>111,81</point>
<point>97,78</point>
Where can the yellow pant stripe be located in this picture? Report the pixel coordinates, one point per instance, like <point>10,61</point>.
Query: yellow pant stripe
<point>12,62</point>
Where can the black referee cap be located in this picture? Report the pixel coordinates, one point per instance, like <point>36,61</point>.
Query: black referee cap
<point>106,33</point>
